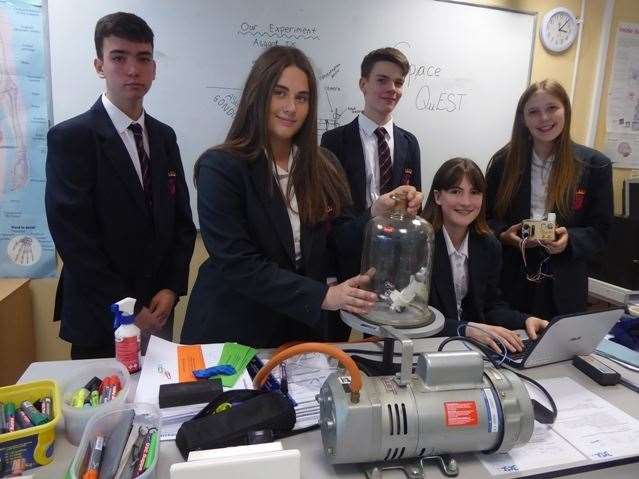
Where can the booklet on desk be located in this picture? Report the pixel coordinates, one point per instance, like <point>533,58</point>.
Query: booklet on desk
<point>166,363</point>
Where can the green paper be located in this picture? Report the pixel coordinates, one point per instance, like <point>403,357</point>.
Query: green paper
<point>238,356</point>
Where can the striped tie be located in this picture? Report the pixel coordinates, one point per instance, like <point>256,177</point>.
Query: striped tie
<point>145,162</point>
<point>385,165</point>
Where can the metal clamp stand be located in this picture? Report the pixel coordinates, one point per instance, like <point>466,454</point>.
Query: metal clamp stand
<point>391,334</point>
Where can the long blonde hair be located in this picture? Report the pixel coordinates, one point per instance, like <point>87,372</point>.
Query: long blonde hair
<point>566,169</point>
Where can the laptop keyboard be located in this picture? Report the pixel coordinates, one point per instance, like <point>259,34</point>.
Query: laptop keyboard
<point>528,344</point>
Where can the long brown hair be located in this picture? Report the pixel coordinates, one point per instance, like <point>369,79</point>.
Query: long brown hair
<point>320,186</point>
<point>448,176</point>
<point>566,169</point>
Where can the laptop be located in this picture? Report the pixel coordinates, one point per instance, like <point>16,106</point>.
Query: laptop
<point>564,337</point>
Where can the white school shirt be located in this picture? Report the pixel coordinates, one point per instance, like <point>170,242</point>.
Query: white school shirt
<point>459,266</point>
<point>539,176</point>
<point>367,129</point>
<point>121,123</point>
<point>293,211</point>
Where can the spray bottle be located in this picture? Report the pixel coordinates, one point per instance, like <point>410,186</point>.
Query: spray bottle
<point>127,335</point>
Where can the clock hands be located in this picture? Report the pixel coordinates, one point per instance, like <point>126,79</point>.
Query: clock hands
<point>561,28</point>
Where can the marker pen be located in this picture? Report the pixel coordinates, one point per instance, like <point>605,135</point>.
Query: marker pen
<point>104,390</point>
<point>78,397</point>
<point>3,421</point>
<point>35,416</point>
<point>139,467</point>
<point>23,419</point>
<point>95,459</point>
<point>94,384</point>
<point>10,417</point>
<point>47,406</point>
<point>94,398</point>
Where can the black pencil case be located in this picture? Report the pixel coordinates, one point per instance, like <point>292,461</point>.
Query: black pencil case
<point>194,392</point>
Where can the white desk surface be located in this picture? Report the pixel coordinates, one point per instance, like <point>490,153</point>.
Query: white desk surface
<point>314,466</point>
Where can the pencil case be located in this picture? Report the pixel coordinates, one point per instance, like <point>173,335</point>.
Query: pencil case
<point>104,424</point>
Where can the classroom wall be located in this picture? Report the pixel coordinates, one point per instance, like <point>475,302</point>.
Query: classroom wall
<point>625,11</point>
<point>545,65</point>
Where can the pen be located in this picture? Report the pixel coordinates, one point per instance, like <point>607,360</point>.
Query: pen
<point>115,380</point>
<point>95,459</point>
<point>94,384</point>
<point>130,469</point>
<point>10,415</point>
<point>139,469</point>
<point>46,407</point>
<point>78,397</point>
<point>22,419</point>
<point>35,416</point>
<point>283,379</point>
<point>94,398</point>
<point>104,390</point>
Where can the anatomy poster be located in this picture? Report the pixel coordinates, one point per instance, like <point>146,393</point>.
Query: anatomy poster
<point>26,247</point>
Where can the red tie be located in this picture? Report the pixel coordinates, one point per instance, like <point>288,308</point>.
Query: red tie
<point>385,165</point>
<point>145,162</point>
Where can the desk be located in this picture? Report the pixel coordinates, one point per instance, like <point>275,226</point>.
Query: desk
<point>17,340</point>
<point>314,465</point>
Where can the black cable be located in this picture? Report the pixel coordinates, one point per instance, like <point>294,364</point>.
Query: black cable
<point>472,341</point>
<point>373,353</point>
<point>555,411</point>
<point>540,409</point>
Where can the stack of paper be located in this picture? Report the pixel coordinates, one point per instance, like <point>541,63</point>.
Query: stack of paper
<point>166,362</point>
<point>305,375</point>
<point>238,356</point>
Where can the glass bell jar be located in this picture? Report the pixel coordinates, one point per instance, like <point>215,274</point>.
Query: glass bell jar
<point>397,256</point>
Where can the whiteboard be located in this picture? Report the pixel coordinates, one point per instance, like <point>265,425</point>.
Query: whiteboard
<point>469,65</point>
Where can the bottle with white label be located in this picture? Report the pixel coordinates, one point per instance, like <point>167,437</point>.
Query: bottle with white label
<point>127,335</point>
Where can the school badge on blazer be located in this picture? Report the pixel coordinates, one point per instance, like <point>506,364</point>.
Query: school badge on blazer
<point>406,177</point>
<point>578,200</point>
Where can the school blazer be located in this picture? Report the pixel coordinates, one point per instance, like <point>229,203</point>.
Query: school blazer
<point>111,245</point>
<point>588,229</point>
<point>250,289</point>
<point>346,143</point>
<point>483,302</point>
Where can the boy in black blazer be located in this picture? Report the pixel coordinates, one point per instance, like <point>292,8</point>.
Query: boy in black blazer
<point>377,161</point>
<point>116,200</point>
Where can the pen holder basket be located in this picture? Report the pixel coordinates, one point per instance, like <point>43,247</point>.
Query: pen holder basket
<point>34,444</point>
<point>104,422</point>
<point>76,419</point>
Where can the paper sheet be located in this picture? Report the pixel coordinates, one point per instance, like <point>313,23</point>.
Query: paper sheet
<point>587,428</point>
<point>306,374</point>
<point>591,424</point>
<point>545,449</point>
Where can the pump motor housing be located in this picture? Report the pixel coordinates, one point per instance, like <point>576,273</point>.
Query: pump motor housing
<point>452,404</point>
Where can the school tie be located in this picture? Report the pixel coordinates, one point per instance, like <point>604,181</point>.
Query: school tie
<point>385,165</point>
<point>145,162</point>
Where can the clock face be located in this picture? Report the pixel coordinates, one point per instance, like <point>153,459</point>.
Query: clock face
<point>558,30</point>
